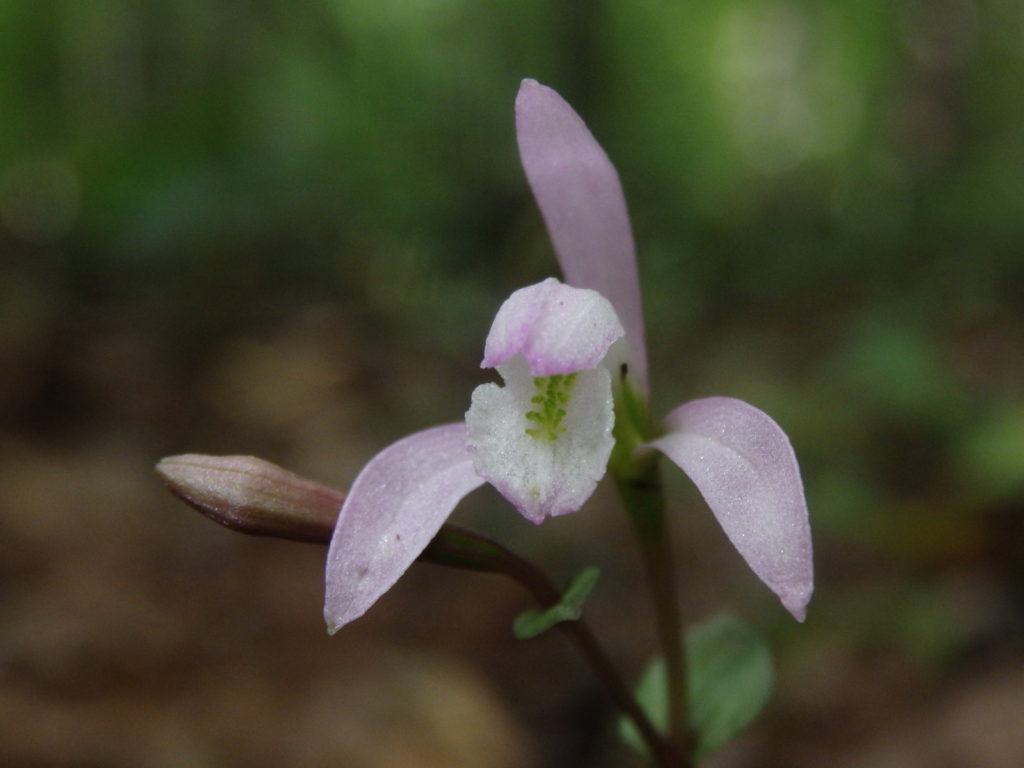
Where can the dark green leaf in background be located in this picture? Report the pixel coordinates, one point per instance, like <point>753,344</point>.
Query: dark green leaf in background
<point>730,678</point>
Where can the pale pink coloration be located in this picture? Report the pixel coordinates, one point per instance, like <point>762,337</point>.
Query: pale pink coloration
<point>744,466</point>
<point>397,504</point>
<point>580,197</point>
<point>557,329</point>
<point>740,460</point>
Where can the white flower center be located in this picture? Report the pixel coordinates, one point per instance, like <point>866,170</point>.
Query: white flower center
<point>543,439</point>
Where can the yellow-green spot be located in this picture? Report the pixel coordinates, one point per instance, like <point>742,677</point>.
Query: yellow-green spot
<point>552,395</point>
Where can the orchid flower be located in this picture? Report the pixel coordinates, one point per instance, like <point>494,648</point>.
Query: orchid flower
<point>570,355</point>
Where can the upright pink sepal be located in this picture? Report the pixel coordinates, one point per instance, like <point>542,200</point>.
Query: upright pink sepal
<point>744,466</point>
<point>397,504</point>
<point>557,329</point>
<point>580,197</point>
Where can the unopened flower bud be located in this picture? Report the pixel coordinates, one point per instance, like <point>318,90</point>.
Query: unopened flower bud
<point>254,496</point>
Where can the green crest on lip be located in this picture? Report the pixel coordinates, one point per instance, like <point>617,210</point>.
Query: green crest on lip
<point>553,393</point>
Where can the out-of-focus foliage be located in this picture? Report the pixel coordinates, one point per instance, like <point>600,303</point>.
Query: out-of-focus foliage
<point>284,227</point>
<point>730,676</point>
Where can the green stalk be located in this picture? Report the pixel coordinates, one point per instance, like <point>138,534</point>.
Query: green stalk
<point>639,483</point>
<point>458,548</point>
<point>642,497</point>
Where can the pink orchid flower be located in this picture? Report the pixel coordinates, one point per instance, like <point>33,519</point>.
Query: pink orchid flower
<point>566,352</point>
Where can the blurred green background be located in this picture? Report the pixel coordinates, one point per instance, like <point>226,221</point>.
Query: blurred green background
<point>282,228</point>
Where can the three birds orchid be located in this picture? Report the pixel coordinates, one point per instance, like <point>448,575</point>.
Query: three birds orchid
<point>572,357</point>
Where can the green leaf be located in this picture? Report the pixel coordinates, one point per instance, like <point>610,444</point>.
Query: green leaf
<point>532,623</point>
<point>730,677</point>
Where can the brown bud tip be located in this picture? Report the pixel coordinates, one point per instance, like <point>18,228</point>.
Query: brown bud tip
<point>253,496</point>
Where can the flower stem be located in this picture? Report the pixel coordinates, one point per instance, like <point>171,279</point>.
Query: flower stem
<point>642,496</point>
<point>459,548</point>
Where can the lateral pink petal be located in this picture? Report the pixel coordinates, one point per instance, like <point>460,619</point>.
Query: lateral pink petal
<point>744,466</point>
<point>557,329</point>
<point>397,504</point>
<point>580,197</point>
